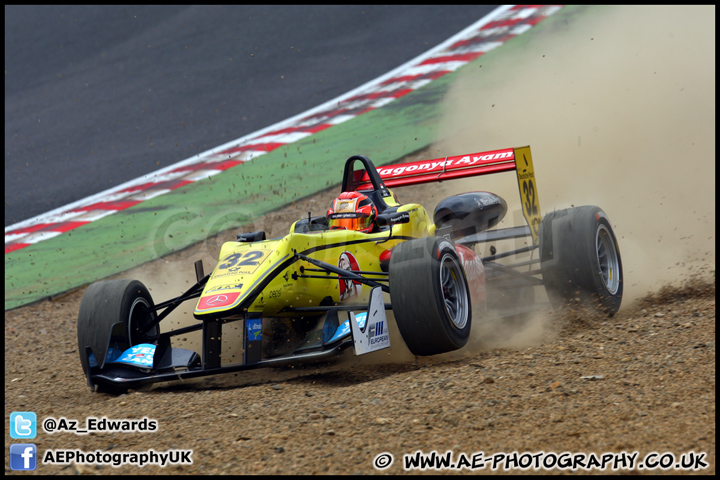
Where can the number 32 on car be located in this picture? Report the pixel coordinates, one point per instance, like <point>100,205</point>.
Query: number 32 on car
<point>528,194</point>
<point>245,262</point>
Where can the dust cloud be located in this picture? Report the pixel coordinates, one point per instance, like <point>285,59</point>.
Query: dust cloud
<point>618,105</point>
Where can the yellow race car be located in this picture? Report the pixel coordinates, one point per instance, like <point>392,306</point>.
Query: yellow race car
<point>328,283</point>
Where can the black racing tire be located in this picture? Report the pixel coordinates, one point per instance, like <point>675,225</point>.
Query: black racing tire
<point>580,259</point>
<point>112,314</point>
<point>430,296</point>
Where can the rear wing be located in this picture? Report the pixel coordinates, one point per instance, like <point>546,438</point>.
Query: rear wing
<point>461,166</point>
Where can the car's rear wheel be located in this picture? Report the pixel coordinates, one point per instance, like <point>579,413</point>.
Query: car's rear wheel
<point>113,315</point>
<point>580,259</point>
<point>430,296</point>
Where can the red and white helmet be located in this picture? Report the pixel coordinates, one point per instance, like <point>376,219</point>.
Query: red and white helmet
<point>353,211</point>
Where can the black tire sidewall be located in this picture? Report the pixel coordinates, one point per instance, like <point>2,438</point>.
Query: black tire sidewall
<point>136,290</point>
<point>417,299</point>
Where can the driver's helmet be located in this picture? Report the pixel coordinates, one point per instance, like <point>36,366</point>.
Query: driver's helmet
<point>352,211</point>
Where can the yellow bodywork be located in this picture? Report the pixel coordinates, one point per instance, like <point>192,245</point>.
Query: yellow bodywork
<point>262,277</point>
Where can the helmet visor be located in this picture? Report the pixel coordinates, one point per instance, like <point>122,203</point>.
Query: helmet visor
<point>351,221</point>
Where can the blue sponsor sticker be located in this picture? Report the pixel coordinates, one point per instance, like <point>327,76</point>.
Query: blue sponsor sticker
<point>344,329</point>
<point>254,329</point>
<point>140,355</point>
<point>112,354</point>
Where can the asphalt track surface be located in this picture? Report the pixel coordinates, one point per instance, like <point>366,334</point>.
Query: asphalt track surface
<point>99,95</point>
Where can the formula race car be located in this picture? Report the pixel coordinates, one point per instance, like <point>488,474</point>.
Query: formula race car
<point>328,283</point>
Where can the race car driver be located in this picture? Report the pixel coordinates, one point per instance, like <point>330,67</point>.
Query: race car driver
<point>352,211</point>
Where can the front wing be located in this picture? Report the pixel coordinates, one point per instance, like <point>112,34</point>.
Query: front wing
<point>146,364</point>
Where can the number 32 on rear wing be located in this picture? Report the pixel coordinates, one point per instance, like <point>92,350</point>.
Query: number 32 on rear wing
<point>483,163</point>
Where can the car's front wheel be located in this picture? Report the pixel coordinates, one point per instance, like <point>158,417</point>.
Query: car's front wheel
<point>113,317</point>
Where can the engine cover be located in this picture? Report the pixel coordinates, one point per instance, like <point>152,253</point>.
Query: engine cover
<point>469,213</point>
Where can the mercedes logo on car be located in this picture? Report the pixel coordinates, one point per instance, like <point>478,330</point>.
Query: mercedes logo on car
<point>217,302</point>
<point>217,299</point>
